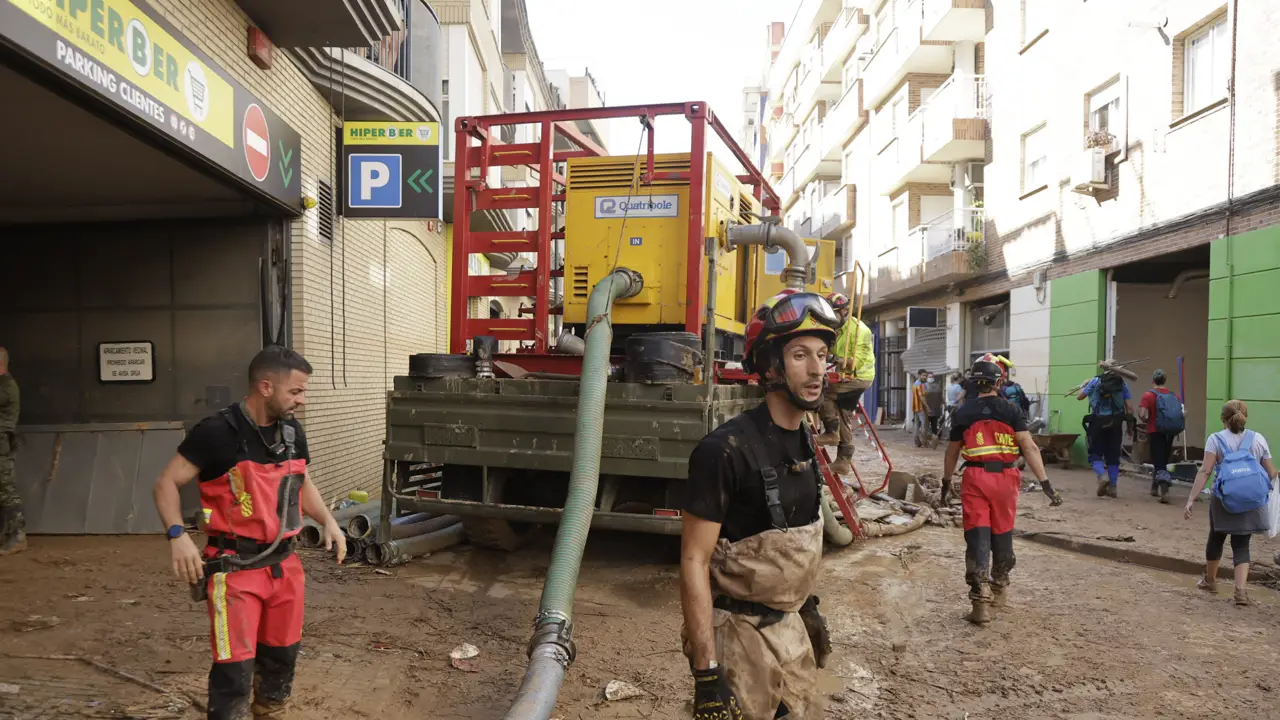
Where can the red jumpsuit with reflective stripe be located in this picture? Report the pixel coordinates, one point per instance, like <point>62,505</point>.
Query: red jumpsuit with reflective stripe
<point>255,614</point>
<point>989,493</point>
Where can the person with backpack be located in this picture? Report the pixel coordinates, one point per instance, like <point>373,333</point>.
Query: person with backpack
<point>1240,461</point>
<point>1161,410</point>
<point>1110,402</point>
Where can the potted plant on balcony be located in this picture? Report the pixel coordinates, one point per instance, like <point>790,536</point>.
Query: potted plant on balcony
<point>975,249</point>
<point>1099,139</point>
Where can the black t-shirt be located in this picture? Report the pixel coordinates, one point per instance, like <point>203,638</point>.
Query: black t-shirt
<point>214,446</point>
<point>723,488</point>
<point>992,407</point>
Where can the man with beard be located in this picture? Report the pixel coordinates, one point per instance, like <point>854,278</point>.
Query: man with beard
<point>752,536</point>
<point>251,463</point>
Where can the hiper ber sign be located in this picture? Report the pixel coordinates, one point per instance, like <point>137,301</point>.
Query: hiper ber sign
<point>391,170</point>
<point>125,52</point>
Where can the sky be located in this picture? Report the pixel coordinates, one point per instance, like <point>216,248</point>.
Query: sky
<point>660,51</point>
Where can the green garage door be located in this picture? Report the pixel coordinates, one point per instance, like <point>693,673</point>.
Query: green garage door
<point>1244,363</point>
<point>1077,332</point>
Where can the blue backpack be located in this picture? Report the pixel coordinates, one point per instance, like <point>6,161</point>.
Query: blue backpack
<point>1106,397</point>
<point>1240,484</point>
<point>1169,418</point>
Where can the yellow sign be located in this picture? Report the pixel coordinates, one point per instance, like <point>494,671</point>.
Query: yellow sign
<point>391,133</point>
<point>125,40</point>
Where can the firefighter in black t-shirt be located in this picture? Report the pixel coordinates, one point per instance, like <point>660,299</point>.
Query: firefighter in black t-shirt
<point>752,537</point>
<point>251,463</point>
<point>990,433</point>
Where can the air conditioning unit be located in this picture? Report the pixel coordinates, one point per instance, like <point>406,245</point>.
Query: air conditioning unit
<point>1091,172</point>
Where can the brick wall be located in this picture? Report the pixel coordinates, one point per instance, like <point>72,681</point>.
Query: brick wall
<point>384,306</point>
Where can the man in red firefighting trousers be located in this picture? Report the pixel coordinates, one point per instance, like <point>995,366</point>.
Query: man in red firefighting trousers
<point>251,462</point>
<point>990,433</point>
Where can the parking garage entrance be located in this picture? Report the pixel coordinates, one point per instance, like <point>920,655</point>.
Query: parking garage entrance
<point>145,200</point>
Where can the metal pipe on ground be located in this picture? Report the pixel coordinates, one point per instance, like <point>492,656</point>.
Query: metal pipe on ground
<point>400,532</point>
<point>363,525</point>
<point>398,552</point>
<point>311,535</point>
<point>836,533</point>
<point>551,649</point>
<point>771,234</point>
<point>411,519</point>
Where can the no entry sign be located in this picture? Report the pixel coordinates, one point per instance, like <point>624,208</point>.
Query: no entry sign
<point>257,142</point>
<point>391,170</point>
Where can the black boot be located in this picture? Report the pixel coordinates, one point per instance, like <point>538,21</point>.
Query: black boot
<point>977,572</point>
<point>1002,563</point>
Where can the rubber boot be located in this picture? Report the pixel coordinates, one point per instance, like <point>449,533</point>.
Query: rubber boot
<point>842,466</point>
<point>14,539</point>
<point>980,613</point>
<point>270,709</point>
<point>273,681</point>
<point>1111,490</point>
<point>1103,484</point>
<point>1164,493</point>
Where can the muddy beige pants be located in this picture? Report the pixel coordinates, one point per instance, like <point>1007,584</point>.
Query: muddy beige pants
<point>770,666</point>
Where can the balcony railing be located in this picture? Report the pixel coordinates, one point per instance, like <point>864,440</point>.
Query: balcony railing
<point>393,52</point>
<point>953,231</point>
<point>843,120</point>
<point>848,27</point>
<point>930,256</point>
<point>836,213</point>
<point>962,97</point>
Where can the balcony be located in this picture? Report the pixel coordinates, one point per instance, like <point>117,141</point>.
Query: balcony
<point>836,213</point>
<point>844,119</point>
<point>902,161</point>
<point>810,163</point>
<point>932,255</point>
<point>794,42</point>
<point>395,79</point>
<point>324,23</point>
<point>841,39</point>
<point>954,20</point>
<point>812,88</point>
<point>901,52</point>
<point>955,120</point>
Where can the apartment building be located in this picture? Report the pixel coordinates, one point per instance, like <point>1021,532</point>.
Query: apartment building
<point>1060,181</point>
<point>202,226</point>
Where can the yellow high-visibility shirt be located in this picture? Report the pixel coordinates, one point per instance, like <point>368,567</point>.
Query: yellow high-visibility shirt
<point>855,351</point>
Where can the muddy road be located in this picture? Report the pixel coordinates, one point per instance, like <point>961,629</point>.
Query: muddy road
<point>1081,638</point>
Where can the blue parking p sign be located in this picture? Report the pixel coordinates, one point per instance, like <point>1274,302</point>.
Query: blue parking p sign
<point>375,180</point>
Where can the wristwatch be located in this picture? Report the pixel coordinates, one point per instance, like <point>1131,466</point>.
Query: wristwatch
<point>175,532</point>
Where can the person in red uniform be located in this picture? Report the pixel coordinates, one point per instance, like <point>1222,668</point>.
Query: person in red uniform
<point>990,433</point>
<point>251,462</point>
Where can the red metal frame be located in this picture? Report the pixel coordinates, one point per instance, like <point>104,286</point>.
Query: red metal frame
<point>477,149</point>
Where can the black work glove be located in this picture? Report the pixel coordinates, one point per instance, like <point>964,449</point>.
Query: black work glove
<point>816,626</point>
<point>946,491</point>
<point>1055,497</point>
<point>712,698</point>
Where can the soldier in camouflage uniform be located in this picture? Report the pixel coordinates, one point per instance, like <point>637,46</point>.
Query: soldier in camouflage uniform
<point>13,536</point>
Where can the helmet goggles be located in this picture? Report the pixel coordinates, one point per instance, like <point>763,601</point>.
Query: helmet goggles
<point>790,312</point>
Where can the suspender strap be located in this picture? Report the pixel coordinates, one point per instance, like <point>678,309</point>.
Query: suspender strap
<point>768,473</point>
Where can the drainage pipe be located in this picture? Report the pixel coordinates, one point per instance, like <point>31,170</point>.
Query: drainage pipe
<point>398,552</point>
<point>312,535</point>
<point>440,522</point>
<point>836,533</point>
<point>774,235</point>
<point>1182,278</point>
<point>551,649</point>
<point>363,524</point>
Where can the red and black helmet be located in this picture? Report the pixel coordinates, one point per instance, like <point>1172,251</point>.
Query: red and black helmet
<point>838,300</point>
<point>790,312</point>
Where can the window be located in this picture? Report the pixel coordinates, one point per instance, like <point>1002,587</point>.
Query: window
<point>1106,113</point>
<point>1035,19</point>
<point>1035,160</point>
<point>1207,58</point>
